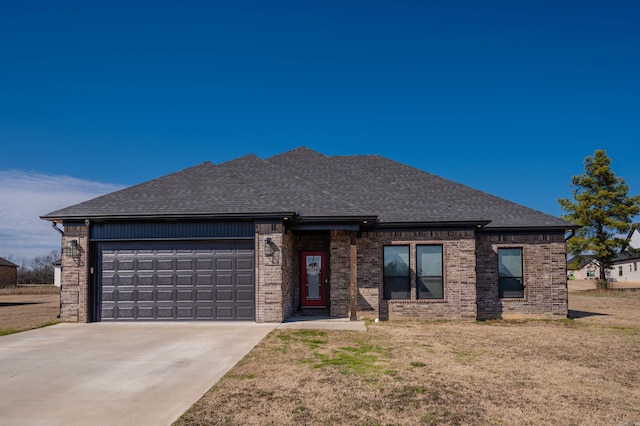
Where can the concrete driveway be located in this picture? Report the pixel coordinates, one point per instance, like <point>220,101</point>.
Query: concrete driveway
<point>116,373</point>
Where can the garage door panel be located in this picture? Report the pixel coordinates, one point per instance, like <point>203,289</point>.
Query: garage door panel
<point>145,296</point>
<point>244,295</point>
<point>204,264</point>
<point>145,280</point>
<point>177,280</point>
<point>224,280</point>
<point>224,312</point>
<point>244,312</point>
<point>165,265</point>
<point>224,295</point>
<point>244,264</point>
<point>184,264</point>
<point>124,265</point>
<point>205,312</point>
<point>164,280</point>
<point>224,264</point>
<point>182,279</point>
<point>186,312</point>
<point>205,295</point>
<point>244,280</point>
<point>204,280</point>
<point>165,295</point>
<point>185,295</point>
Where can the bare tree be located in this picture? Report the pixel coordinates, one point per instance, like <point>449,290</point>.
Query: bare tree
<point>39,270</point>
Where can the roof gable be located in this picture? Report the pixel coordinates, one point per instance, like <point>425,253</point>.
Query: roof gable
<point>5,262</point>
<point>310,184</point>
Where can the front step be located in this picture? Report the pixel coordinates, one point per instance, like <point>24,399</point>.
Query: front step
<point>307,311</point>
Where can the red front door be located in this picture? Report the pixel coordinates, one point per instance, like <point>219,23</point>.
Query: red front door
<point>314,278</point>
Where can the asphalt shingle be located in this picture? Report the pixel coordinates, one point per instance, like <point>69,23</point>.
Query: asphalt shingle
<point>312,185</point>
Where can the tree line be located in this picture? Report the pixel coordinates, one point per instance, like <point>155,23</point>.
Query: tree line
<point>39,270</point>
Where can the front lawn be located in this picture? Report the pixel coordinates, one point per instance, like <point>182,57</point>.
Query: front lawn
<point>582,371</point>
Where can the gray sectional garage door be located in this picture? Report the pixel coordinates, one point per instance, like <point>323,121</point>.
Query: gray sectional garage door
<point>211,280</point>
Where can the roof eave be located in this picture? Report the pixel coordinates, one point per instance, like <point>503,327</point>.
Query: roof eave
<point>175,216</point>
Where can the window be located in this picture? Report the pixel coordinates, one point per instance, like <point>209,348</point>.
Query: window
<point>619,271</point>
<point>396,273</point>
<point>635,266</point>
<point>510,272</point>
<point>429,276</point>
<point>591,274</point>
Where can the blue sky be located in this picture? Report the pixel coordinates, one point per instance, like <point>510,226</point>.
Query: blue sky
<point>507,97</point>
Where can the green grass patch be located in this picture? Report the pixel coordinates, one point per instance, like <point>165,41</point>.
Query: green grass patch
<point>360,360</point>
<point>465,356</point>
<point>418,364</point>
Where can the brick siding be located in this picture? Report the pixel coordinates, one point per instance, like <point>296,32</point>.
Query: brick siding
<point>75,274</point>
<point>459,276</point>
<point>544,275</point>
<point>8,276</point>
<point>470,274</point>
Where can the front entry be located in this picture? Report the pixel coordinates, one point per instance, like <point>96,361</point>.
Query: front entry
<point>314,279</point>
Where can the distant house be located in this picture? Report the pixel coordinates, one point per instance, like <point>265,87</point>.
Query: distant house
<point>57,272</point>
<point>625,268</point>
<point>633,239</point>
<point>8,273</point>
<point>586,269</point>
<point>303,233</point>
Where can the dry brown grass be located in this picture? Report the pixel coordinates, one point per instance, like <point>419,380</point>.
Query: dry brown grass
<point>24,308</point>
<point>584,371</point>
<point>29,289</point>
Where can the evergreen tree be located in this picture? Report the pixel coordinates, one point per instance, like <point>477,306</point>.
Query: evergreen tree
<point>603,209</point>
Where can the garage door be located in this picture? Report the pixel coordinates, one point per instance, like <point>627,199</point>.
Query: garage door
<point>176,281</point>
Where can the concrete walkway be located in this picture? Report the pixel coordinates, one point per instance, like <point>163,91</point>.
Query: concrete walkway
<point>323,323</point>
<point>116,373</point>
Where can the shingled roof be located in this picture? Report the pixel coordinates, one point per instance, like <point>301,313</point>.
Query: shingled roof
<point>306,184</point>
<point>5,262</point>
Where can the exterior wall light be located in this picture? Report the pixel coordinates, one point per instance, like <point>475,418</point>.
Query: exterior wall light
<point>270,248</point>
<point>72,249</point>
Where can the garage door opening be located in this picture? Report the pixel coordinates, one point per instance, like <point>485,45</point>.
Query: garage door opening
<point>198,280</point>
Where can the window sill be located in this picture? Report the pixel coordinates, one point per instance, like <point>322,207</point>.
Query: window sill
<point>394,301</point>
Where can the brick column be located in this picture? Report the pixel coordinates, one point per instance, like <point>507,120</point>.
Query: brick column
<point>74,289</point>
<point>269,273</point>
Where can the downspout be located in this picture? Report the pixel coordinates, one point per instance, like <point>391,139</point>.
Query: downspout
<point>55,226</point>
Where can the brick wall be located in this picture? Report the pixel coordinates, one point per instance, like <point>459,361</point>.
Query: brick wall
<point>8,276</point>
<point>459,300</point>
<point>271,292</point>
<point>290,287</point>
<point>75,274</point>
<point>339,269</point>
<point>544,275</point>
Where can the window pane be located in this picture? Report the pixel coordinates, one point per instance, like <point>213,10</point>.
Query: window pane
<point>430,288</point>
<point>396,261</point>
<point>511,287</point>
<point>429,261</point>
<point>396,288</point>
<point>510,262</point>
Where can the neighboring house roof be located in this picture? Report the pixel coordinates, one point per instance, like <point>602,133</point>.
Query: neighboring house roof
<point>581,262</point>
<point>625,257</point>
<point>305,184</point>
<point>629,241</point>
<point>5,262</point>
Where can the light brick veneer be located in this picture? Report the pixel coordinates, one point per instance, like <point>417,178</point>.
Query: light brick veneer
<point>74,289</point>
